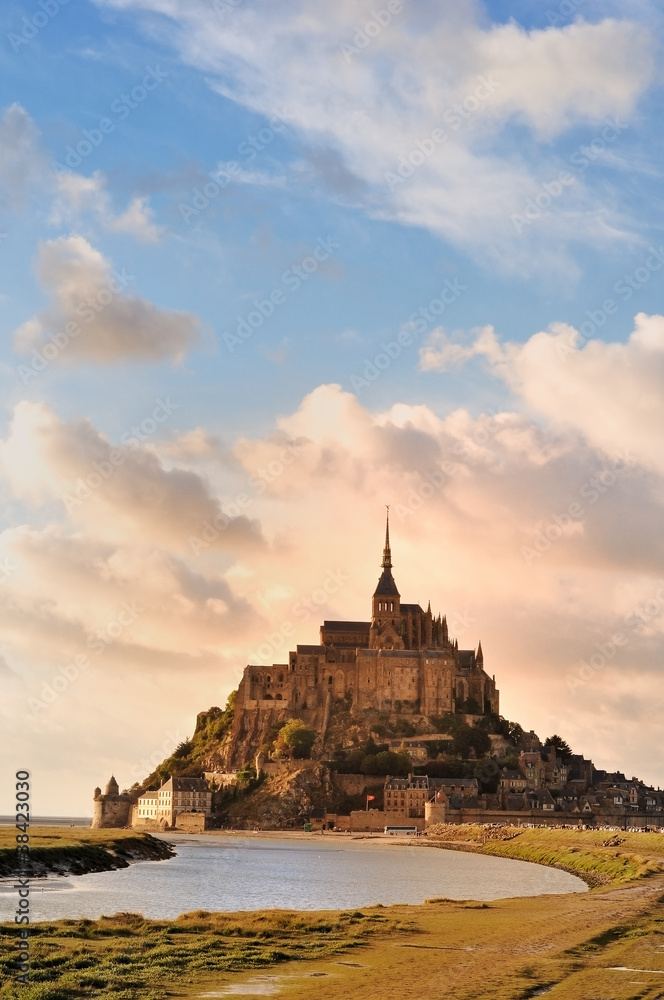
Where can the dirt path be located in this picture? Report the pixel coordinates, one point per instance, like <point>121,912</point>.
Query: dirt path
<point>503,950</point>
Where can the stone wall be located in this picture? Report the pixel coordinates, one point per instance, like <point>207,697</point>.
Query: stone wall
<point>194,822</point>
<point>354,784</point>
<point>375,820</point>
<point>111,812</point>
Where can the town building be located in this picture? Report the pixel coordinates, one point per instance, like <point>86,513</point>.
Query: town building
<point>172,804</point>
<point>406,796</point>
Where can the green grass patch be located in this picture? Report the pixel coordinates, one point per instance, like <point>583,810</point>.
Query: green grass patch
<point>600,857</point>
<point>78,850</point>
<point>128,957</point>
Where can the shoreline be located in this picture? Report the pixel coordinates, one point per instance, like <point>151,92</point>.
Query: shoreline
<point>55,852</point>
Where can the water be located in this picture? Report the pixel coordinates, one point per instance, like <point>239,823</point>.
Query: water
<point>50,820</point>
<point>243,873</point>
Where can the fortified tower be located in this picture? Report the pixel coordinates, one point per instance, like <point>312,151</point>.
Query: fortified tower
<point>111,809</point>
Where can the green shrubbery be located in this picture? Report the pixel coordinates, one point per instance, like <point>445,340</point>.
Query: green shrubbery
<point>186,759</point>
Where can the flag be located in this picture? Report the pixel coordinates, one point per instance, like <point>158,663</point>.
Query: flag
<point>370,798</point>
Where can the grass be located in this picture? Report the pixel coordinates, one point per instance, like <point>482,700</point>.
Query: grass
<point>606,944</point>
<point>126,956</point>
<point>600,857</point>
<point>78,850</point>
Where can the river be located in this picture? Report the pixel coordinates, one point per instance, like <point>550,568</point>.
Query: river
<point>244,873</point>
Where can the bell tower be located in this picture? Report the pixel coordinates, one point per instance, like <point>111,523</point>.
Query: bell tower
<point>386,599</point>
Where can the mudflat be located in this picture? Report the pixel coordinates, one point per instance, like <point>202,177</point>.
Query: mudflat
<point>605,944</point>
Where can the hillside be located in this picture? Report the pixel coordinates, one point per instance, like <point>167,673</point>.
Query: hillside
<point>316,767</point>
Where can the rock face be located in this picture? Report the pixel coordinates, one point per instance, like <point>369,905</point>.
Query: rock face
<point>286,799</point>
<point>251,731</point>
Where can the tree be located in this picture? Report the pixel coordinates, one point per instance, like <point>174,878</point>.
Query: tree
<point>296,737</point>
<point>515,732</point>
<point>562,748</point>
<point>467,737</point>
<point>183,749</point>
<point>387,762</point>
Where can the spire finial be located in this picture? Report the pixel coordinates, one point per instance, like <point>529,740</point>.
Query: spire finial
<point>387,554</point>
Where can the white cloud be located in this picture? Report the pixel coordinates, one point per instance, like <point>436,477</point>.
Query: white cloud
<point>137,219</point>
<point>440,68</point>
<point>122,494</point>
<point>84,290</point>
<point>78,196</point>
<point>21,157</point>
<point>469,494</point>
<point>610,393</point>
<point>441,352</point>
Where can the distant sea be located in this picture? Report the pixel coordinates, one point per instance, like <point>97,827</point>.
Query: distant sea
<point>50,820</point>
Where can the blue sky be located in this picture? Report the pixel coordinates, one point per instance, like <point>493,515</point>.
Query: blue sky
<point>535,205</point>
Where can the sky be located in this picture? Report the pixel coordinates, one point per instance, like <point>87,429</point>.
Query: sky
<point>266,268</point>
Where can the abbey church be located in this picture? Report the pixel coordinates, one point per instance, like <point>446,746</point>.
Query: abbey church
<point>403,660</point>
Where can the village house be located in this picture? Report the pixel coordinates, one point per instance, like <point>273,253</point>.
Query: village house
<point>406,796</point>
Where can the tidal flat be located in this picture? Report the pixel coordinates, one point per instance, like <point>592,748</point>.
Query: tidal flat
<point>596,945</point>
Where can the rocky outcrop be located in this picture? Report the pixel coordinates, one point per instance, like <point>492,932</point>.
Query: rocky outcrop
<point>82,858</point>
<point>286,799</point>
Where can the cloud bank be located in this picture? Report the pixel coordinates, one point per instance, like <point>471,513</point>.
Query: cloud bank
<point>525,526</point>
<point>90,318</point>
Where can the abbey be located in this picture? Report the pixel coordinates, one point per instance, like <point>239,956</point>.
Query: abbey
<point>403,660</point>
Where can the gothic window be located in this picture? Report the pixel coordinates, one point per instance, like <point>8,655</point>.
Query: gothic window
<point>281,678</point>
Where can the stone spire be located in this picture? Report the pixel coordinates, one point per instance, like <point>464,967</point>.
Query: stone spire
<point>386,586</point>
<point>387,552</point>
